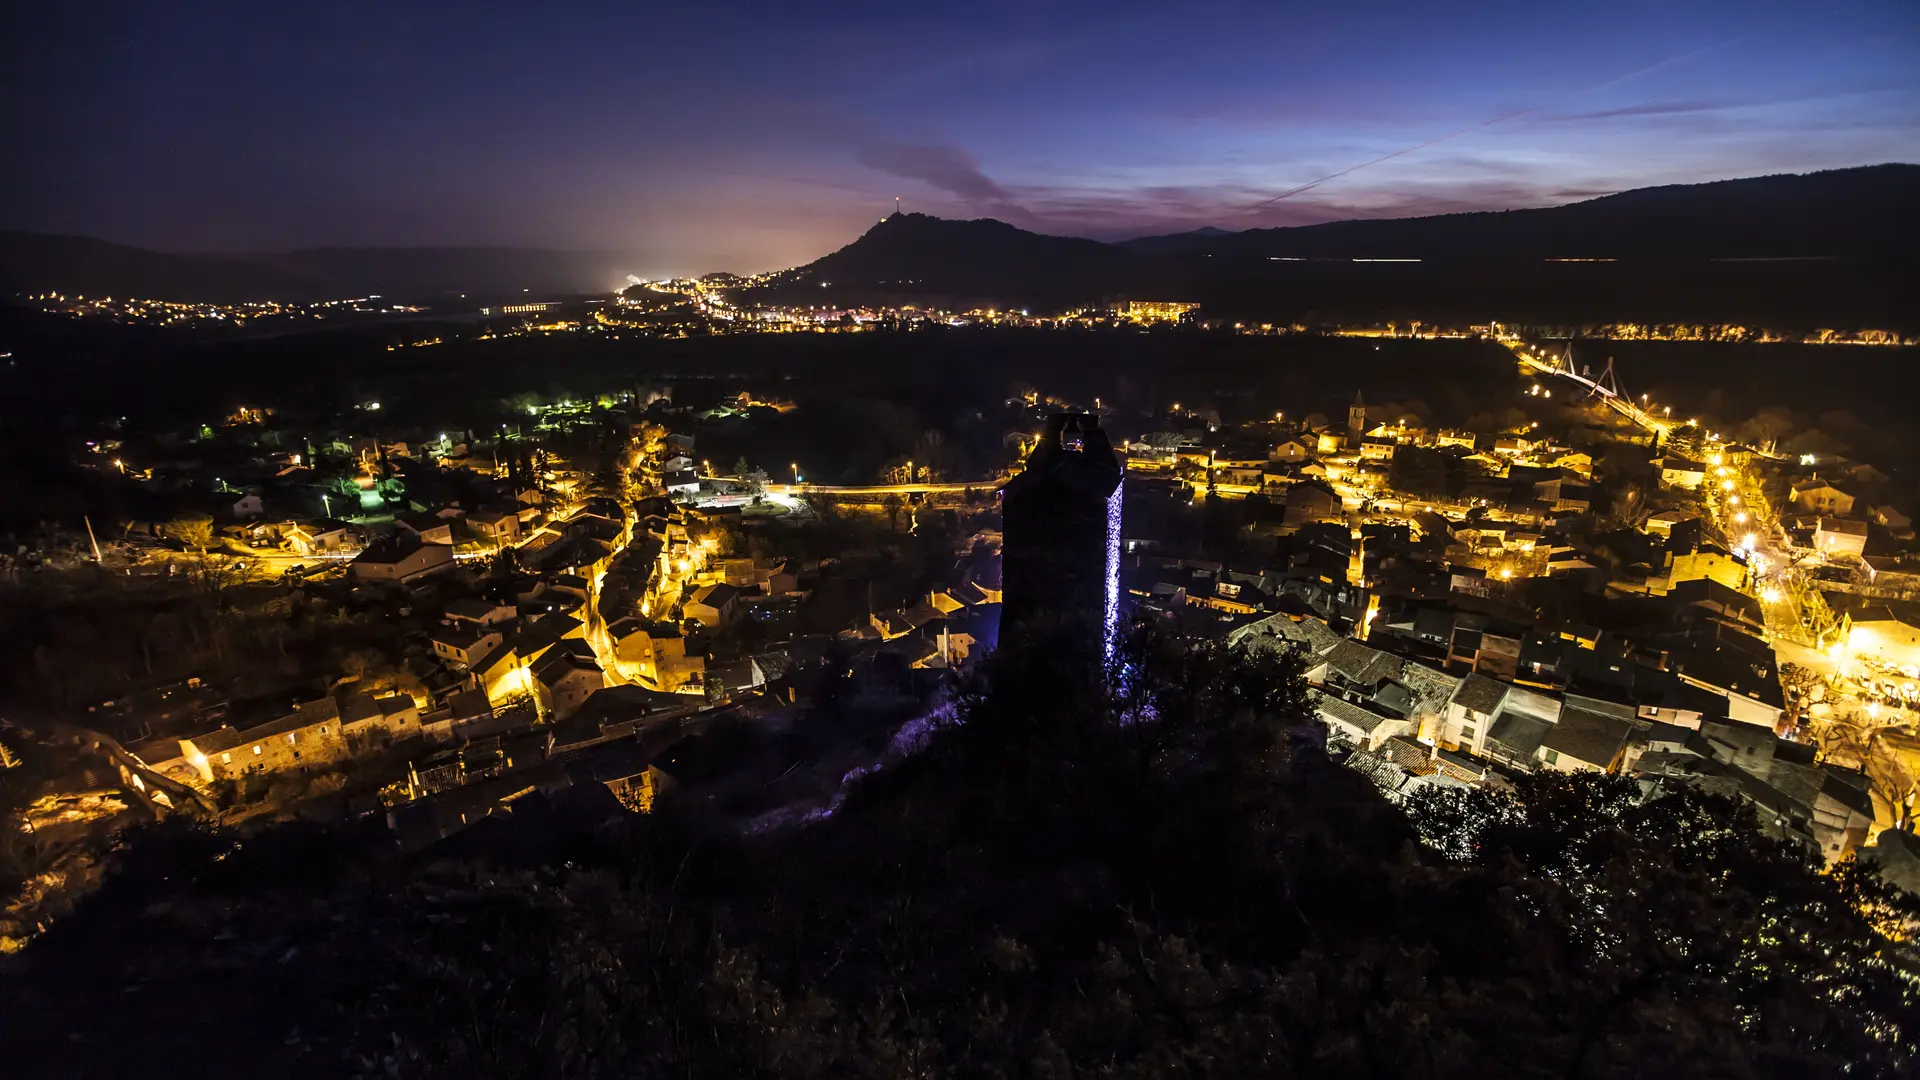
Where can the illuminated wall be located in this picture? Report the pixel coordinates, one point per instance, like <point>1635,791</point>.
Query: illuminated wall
<point>1111,624</point>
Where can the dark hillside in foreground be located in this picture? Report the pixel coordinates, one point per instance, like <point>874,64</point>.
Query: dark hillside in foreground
<point>1044,890</point>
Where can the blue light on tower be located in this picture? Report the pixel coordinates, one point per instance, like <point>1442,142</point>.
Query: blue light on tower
<point>1110,624</point>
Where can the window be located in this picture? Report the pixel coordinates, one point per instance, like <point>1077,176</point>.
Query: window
<point>289,738</point>
<point>226,759</point>
<point>256,750</point>
<point>1466,732</point>
<point>1553,757</point>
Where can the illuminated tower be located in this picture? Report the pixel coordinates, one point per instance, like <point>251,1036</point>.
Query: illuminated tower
<point>1061,560</point>
<point>1357,419</point>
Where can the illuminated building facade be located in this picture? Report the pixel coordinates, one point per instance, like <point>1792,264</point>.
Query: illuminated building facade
<point>1061,560</point>
<point>1156,310</point>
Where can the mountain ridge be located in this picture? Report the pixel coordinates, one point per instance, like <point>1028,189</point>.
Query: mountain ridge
<point>35,262</point>
<point>1469,263</point>
<point>1684,252</point>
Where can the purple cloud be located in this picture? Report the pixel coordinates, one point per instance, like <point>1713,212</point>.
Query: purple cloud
<point>947,168</point>
<point>1648,108</point>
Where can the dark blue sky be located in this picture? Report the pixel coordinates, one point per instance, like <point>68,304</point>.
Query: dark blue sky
<point>745,136</point>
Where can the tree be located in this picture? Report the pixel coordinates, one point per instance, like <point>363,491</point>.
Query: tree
<point>191,529</point>
<point>893,504</point>
<point>1629,504</point>
<point>1148,868</point>
<point>1418,471</point>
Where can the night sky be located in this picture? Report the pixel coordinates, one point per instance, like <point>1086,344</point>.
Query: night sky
<point>700,136</point>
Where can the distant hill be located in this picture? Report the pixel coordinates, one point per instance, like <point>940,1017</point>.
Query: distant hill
<point>1870,212</point>
<point>1177,243</point>
<point>42,262</point>
<point>925,256</point>
<point>1829,248</point>
<point>427,271</point>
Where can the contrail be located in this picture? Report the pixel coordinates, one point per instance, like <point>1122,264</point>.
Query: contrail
<point>1651,68</point>
<point>1389,157</point>
<point>1310,185</point>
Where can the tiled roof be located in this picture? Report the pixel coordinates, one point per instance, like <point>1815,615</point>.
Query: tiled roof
<point>1479,693</point>
<point>1589,737</point>
<point>1519,733</point>
<point>1332,708</point>
<point>1361,665</point>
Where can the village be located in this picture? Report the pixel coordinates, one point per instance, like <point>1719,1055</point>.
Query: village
<point>579,604</point>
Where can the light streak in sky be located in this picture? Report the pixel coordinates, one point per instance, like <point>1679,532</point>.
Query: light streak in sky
<point>1628,77</point>
<point>1310,185</point>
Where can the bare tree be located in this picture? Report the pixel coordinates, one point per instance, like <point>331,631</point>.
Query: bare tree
<point>191,529</point>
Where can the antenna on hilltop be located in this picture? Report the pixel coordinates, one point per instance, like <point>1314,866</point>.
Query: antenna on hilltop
<point>896,204</point>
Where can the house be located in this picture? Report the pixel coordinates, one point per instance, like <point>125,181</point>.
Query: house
<point>497,672</point>
<point>776,577</point>
<point>1590,736</point>
<point>481,612</point>
<point>795,655</point>
<point>1885,630</point>
<point>682,482</point>
<point>1893,519</point>
<point>1455,437</point>
<point>1470,711</point>
<point>1816,496</point>
<point>461,642</point>
<point>1520,726</point>
<point>1663,523</point>
<point>316,734</point>
<point>245,507</point>
<point>1736,666</point>
<point>1679,472</point>
<point>656,654</point>
<point>401,563</point>
<point>495,525</point>
<point>1358,724</point>
<point>1377,449</point>
<point>1840,538</point>
<point>1297,448</point>
<point>714,606</point>
<point>425,528</point>
<point>1311,500</point>
<point>1577,460</point>
<point>619,711</point>
<point>563,681</point>
<point>318,537</point>
<point>1820,805</point>
<point>1709,562</point>
<point>1895,853</point>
